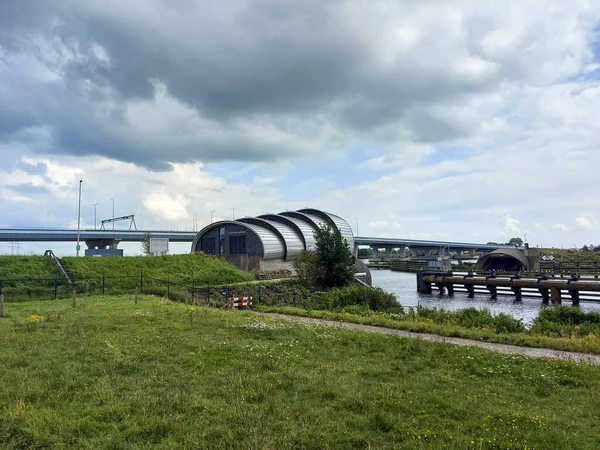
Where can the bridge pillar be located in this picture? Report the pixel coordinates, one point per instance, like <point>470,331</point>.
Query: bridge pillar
<point>575,296</point>
<point>102,244</point>
<point>388,253</point>
<point>402,251</point>
<point>375,251</point>
<point>555,295</point>
<point>414,252</point>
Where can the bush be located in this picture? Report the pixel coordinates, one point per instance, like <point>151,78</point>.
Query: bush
<point>468,318</point>
<point>373,299</point>
<point>567,315</point>
<point>507,324</point>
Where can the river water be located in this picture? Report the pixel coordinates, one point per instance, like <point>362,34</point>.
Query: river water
<point>404,286</point>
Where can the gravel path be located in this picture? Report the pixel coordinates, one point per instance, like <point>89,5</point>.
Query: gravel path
<point>503,348</point>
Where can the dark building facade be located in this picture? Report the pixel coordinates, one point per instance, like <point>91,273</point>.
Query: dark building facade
<point>269,241</point>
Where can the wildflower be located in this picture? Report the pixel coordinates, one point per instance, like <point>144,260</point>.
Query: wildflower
<point>34,318</point>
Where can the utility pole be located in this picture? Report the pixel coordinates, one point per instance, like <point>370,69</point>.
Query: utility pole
<point>78,218</point>
<point>95,204</point>
<point>113,205</point>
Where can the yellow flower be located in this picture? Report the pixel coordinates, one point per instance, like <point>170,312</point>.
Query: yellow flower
<point>34,318</point>
<point>191,309</point>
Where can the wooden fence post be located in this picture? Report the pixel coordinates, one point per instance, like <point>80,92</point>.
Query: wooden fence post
<point>74,300</point>
<point>1,305</point>
<point>135,298</point>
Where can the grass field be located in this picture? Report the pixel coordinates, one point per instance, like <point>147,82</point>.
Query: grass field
<point>13,266</point>
<point>38,277</point>
<point>195,268</point>
<point>111,374</point>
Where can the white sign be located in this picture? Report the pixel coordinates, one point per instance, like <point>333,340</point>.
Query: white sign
<point>159,245</point>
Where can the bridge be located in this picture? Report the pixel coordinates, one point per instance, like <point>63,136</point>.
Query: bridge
<point>105,238</point>
<point>423,249</point>
<point>91,237</point>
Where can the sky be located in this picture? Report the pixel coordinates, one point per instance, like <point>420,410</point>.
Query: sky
<point>453,120</point>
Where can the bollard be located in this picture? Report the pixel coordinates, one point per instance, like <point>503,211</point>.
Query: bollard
<point>135,296</point>
<point>1,305</point>
<point>74,301</point>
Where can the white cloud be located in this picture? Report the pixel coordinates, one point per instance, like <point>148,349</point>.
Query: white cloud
<point>476,113</point>
<point>586,222</point>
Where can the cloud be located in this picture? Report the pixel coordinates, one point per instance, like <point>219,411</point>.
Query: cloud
<point>263,81</point>
<point>422,119</point>
<point>586,222</point>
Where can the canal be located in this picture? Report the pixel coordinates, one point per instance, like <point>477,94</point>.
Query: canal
<point>404,286</point>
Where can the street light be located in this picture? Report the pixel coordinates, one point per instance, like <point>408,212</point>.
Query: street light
<point>78,218</point>
<point>211,215</point>
<point>95,204</point>
<point>356,218</point>
<point>232,213</point>
<point>113,203</point>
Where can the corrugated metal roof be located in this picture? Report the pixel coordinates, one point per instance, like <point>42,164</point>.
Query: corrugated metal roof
<point>289,236</point>
<point>286,234</point>
<point>336,221</point>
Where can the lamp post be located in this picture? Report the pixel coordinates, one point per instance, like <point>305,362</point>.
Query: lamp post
<point>95,204</point>
<point>232,214</point>
<point>113,204</point>
<point>211,215</point>
<point>78,218</point>
<point>356,218</point>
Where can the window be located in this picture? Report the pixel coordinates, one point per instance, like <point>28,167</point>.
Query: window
<point>237,245</point>
<point>207,245</point>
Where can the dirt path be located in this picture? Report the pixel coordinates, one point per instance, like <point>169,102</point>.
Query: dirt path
<point>503,348</point>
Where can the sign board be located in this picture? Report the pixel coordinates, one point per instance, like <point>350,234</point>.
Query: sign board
<point>159,245</point>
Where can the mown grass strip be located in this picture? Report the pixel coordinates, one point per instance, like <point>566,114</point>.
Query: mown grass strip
<point>586,344</point>
<point>111,374</point>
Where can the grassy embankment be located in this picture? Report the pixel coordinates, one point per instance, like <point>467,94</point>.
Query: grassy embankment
<point>111,374</point>
<point>116,275</point>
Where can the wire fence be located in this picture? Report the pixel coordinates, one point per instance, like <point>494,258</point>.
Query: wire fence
<point>30,289</point>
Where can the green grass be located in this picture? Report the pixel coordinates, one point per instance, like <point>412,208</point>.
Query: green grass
<point>115,275</point>
<point>39,272</point>
<point>111,374</point>
<point>449,324</point>
<point>196,268</point>
<point>34,266</point>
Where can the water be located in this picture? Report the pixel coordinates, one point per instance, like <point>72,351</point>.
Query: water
<point>404,285</point>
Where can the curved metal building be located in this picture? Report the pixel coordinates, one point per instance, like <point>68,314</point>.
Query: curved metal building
<point>250,242</point>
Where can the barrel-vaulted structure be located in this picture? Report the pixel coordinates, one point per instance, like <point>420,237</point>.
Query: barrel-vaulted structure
<point>269,241</point>
<point>504,259</point>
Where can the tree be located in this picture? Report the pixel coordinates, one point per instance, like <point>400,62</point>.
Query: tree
<point>516,241</point>
<point>365,253</point>
<point>146,244</point>
<point>330,264</point>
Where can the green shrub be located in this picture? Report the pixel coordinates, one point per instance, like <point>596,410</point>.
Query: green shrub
<point>567,315</point>
<point>505,323</point>
<point>373,299</point>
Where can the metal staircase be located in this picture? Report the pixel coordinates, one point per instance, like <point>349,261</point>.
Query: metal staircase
<point>50,254</point>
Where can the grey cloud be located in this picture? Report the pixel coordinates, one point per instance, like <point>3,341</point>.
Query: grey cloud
<point>289,68</point>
